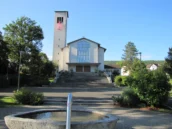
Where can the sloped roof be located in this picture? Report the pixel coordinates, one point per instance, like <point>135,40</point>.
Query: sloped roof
<point>87,40</point>
<point>149,65</point>
<point>112,67</point>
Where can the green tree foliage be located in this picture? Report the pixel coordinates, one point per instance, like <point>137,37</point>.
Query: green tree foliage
<point>137,66</point>
<point>151,86</point>
<point>3,55</point>
<point>23,35</point>
<point>168,62</point>
<point>127,98</point>
<point>120,80</point>
<point>130,53</point>
<point>146,62</point>
<point>120,63</point>
<point>48,69</point>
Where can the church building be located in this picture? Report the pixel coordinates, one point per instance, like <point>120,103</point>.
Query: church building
<point>81,55</point>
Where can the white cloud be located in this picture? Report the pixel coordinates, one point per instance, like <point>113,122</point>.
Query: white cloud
<point>50,57</point>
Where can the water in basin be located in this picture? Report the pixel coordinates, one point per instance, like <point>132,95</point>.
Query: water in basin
<point>76,116</point>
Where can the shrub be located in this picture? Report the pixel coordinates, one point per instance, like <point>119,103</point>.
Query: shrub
<point>25,96</point>
<point>151,86</point>
<point>124,80</point>
<point>121,80</point>
<point>118,80</point>
<point>128,98</point>
<point>114,74</point>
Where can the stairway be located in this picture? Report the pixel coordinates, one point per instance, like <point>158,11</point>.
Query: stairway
<point>87,102</point>
<point>84,80</point>
<point>88,89</point>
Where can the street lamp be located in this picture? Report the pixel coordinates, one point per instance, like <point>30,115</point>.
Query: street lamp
<point>139,54</point>
<point>7,69</point>
<point>19,71</point>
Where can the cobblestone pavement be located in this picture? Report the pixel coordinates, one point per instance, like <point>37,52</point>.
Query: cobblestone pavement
<point>128,118</point>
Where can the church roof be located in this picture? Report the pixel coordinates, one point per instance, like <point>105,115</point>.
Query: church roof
<point>87,40</point>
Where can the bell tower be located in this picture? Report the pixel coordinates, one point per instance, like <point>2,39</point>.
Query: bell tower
<point>60,35</point>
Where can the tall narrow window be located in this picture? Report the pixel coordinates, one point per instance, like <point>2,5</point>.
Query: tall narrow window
<point>83,49</point>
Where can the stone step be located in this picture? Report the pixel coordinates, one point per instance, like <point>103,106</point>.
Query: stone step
<point>78,101</point>
<point>74,103</point>
<point>85,85</point>
<point>78,98</point>
<point>82,101</point>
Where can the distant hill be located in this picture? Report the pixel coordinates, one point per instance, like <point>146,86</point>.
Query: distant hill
<point>146,62</point>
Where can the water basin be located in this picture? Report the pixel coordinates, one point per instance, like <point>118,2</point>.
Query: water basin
<point>56,119</point>
<point>60,116</point>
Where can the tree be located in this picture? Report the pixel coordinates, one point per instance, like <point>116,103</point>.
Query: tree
<point>168,62</point>
<point>3,55</point>
<point>137,66</point>
<point>48,69</point>
<point>152,87</point>
<point>130,53</point>
<point>23,35</point>
<point>119,63</point>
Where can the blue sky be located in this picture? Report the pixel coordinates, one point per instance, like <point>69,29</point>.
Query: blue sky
<point>112,23</point>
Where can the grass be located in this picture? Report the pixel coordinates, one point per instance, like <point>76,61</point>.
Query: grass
<point>164,110</point>
<point>7,101</point>
<point>51,79</point>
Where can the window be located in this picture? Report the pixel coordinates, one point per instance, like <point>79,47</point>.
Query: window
<point>60,19</point>
<point>83,52</point>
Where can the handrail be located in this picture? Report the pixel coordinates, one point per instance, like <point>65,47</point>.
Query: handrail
<point>68,114</point>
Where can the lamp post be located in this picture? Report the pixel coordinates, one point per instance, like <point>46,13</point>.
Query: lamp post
<point>7,69</point>
<point>19,71</point>
<point>140,55</point>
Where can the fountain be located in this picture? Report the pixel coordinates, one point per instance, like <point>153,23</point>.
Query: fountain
<point>60,119</point>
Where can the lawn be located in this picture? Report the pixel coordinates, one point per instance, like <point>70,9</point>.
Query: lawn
<point>6,101</point>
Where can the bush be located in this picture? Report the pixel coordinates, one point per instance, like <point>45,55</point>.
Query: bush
<point>121,80</point>
<point>114,74</point>
<point>128,98</point>
<point>151,86</point>
<point>25,96</point>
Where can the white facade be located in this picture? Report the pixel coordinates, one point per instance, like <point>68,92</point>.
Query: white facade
<point>82,55</point>
<point>153,67</point>
<point>60,35</point>
<point>92,55</point>
<point>124,72</point>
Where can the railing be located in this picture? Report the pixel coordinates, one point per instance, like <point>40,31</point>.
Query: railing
<point>108,76</point>
<point>68,116</point>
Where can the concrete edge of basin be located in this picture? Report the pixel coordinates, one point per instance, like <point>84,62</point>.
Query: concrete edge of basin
<point>13,121</point>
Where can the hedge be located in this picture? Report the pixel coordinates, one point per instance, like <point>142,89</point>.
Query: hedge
<point>120,80</point>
